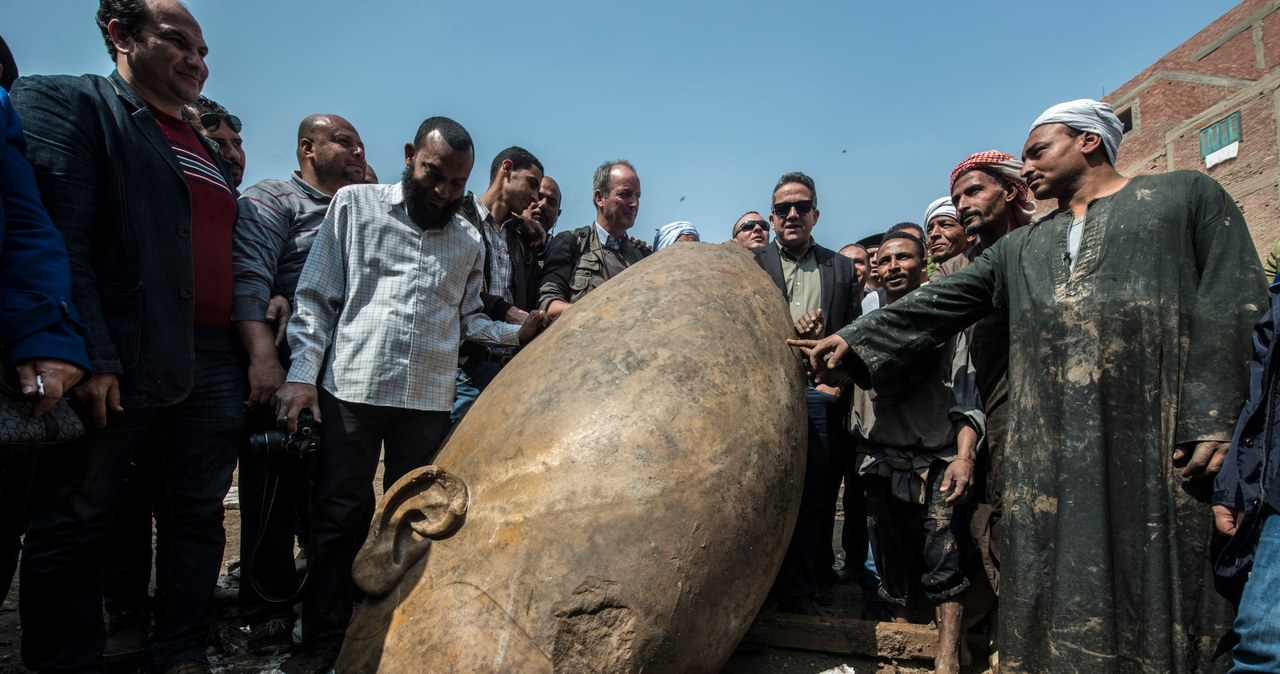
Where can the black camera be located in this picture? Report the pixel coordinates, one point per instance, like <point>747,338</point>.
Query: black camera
<point>299,444</point>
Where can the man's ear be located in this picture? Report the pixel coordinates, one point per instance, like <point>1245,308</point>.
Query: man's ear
<point>1091,142</point>
<point>120,37</point>
<point>427,504</point>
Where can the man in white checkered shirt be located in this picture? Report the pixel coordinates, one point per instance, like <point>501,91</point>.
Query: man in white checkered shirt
<point>390,289</point>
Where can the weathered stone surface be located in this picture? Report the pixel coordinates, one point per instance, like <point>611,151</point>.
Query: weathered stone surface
<point>618,500</point>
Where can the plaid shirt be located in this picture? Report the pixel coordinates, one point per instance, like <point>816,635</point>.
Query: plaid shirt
<point>382,305</point>
<point>499,253</point>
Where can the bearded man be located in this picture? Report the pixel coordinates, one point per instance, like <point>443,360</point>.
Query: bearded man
<point>391,287</point>
<point>1125,375</point>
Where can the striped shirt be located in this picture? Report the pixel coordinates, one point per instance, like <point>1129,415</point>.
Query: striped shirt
<point>278,221</point>
<point>213,217</point>
<point>382,305</point>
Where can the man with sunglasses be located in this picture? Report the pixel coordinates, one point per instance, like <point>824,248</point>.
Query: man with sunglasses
<point>822,294</point>
<point>751,230</point>
<point>223,128</point>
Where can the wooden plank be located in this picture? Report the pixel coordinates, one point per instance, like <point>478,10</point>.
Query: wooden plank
<point>844,636</point>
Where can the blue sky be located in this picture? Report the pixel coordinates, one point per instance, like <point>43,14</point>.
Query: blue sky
<point>711,101</point>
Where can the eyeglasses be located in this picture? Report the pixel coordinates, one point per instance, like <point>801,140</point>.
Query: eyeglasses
<point>751,225</point>
<point>802,207</point>
<point>212,120</point>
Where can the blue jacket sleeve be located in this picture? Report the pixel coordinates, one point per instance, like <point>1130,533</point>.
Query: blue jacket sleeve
<point>37,319</point>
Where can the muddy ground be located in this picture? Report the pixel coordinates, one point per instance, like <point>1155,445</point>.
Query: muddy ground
<point>227,643</point>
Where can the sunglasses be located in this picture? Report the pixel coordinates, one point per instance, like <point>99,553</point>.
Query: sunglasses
<point>752,224</point>
<point>212,120</point>
<point>802,208</point>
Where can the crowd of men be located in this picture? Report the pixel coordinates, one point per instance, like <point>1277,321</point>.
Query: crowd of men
<point>1014,409</point>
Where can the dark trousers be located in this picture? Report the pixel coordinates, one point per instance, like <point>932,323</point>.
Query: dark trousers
<point>797,579</point>
<point>273,501</point>
<point>126,570</point>
<point>853,537</point>
<point>74,494</point>
<point>342,499</point>
<point>917,544</point>
<point>15,476</point>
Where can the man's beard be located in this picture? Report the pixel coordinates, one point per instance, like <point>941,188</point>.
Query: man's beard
<point>417,201</point>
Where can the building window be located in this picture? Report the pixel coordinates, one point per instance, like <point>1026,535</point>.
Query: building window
<point>1220,134</point>
<point>1126,119</point>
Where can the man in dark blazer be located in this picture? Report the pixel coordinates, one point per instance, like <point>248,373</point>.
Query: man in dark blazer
<point>147,210</point>
<point>822,294</point>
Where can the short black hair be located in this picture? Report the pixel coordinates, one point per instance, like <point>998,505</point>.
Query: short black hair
<point>453,133</point>
<point>798,177</point>
<point>904,226</point>
<point>520,159</point>
<point>601,181</point>
<point>900,234</point>
<point>132,14</point>
<point>205,105</point>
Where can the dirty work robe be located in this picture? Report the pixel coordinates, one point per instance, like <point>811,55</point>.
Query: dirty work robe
<point>1143,345</point>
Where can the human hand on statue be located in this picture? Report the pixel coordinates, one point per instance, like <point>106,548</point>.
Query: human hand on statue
<point>534,323</point>
<point>822,355</point>
<point>1226,520</point>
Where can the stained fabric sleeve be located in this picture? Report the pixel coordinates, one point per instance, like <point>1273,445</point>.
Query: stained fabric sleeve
<point>1229,298</point>
<point>886,340</point>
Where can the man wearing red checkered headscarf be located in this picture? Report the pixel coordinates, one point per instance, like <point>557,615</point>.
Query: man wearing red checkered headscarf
<point>991,200</point>
<point>990,195</point>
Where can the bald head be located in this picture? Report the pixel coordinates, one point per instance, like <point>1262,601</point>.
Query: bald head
<point>330,153</point>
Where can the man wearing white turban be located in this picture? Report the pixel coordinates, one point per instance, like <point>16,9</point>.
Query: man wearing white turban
<point>945,237</point>
<point>1128,362</point>
<point>673,232</point>
<point>1084,114</point>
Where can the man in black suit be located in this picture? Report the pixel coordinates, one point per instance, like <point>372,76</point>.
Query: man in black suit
<point>821,291</point>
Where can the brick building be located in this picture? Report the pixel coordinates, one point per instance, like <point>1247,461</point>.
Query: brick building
<point>1213,104</point>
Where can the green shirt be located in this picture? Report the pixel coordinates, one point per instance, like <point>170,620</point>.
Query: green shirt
<point>802,280</point>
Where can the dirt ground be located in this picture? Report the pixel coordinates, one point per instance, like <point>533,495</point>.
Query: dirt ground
<point>227,643</point>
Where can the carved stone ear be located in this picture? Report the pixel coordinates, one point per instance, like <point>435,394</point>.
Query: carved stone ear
<point>426,504</point>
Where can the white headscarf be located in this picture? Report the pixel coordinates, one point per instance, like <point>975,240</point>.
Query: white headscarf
<point>1086,114</point>
<point>940,206</point>
<point>667,234</point>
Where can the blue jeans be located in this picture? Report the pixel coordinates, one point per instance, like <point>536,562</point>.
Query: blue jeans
<point>469,386</point>
<point>74,493</point>
<point>1257,620</point>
